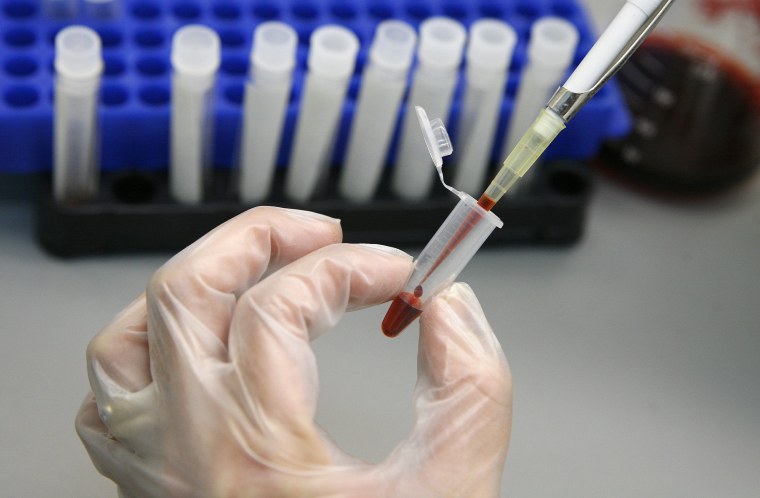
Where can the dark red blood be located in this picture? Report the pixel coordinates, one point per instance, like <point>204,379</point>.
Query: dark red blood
<point>405,308</point>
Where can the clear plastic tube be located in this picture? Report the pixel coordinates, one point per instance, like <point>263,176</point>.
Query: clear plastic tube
<point>78,67</point>
<point>382,88</point>
<point>195,59</point>
<point>441,261</point>
<point>60,9</point>
<point>438,58</point>
<point>489,53</point>
<point>265,105</point>
<point>332,56</point>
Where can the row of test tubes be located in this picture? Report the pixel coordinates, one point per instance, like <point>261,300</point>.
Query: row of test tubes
<point>441,47</point>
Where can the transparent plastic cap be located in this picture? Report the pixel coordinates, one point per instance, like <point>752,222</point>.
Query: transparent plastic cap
<point>492,43</point>
<point>553,41</point>
<point>332,51</point>
<point>274,47</point>
<point>441,42</point>
<point>451,248</point>
<point>78,53</point>
<point>393,45</point>
<point>436,137</point>
<point>196,51</point>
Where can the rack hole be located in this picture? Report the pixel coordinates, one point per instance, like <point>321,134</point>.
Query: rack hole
<point>21,96</point>
<point>20,37</point>
<point>455,10</point>
<point>266,11</point>
<point>21,66</point>
<point>564,9</point>
<point>110,37</point>
<point>380,11</point>
<point>113,66</point>
<point>149,38</point>
<point>145,10</point>
<point>155,95</point>
<point>235,65</point>
<point>152,66</point>
<point>227,11</point>
<point>527,10</point>
<point>187,11</point>
<point>20,9</point>
<point>491,10</point>
<point>418,10</point>
<point>305,11</point>
<point>343,11</point>
<point>113,95</point>
<point>231,38</point>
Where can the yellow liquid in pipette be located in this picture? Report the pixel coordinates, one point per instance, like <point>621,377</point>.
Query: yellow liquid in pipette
<point>533,143</point>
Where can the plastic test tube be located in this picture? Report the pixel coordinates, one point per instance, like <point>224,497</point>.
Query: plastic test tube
<point>438,57</point>
<point>382,89</point>
<point>489,53</point>
<point>267,94</point>
<point>332,57</point>
<point>102,9</point>
<point>551,48</point>
<point>78,67</point>
<point>195,59</point>
<point>439,263</point>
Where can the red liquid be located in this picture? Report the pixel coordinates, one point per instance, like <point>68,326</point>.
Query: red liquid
<point>406,307</point>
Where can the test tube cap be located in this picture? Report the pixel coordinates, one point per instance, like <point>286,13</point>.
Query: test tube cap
<point>78,53</point>
<point>196,50</point>
<point>436,137</point>
<point>492,43</point>
<point>393,45</point>
<point>332,51</point>
<point>441,42</point>
<point>553,41</point>
<point>274,47</point>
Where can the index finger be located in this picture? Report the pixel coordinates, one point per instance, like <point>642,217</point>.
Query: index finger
<point>193,295</point>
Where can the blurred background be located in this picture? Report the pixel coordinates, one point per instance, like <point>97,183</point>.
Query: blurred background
<point>634,350</point>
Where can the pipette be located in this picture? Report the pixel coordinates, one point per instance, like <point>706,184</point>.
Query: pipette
<point>622,37</point>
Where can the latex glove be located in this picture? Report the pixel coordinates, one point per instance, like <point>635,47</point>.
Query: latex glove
<point>206,386</point>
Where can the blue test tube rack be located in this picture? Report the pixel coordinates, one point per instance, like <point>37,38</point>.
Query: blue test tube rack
<point>135,98</point>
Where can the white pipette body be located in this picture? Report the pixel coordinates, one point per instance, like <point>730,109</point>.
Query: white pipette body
<point>489,53</point>
<point>78,67</point>
<point>382,89</point>
<point>195,59</point>
<point>616,35</point>
<point>265,105</point>
<point>332,56</point>
<point>438,58</point>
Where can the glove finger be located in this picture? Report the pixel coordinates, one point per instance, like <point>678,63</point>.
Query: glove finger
<point>272,326</point>
<point>131,472</point>
<point>192,297</point>
<point>463,398</point>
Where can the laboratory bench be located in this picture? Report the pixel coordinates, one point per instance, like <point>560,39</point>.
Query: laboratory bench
<point>634,353</point>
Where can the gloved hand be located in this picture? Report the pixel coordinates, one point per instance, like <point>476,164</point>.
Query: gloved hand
<point>206,386</point>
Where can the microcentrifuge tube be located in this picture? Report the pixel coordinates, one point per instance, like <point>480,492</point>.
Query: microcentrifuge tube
<point>195,59</point>
<point>265,105</point>
<point>78,68</point>
<point>332,56</point>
